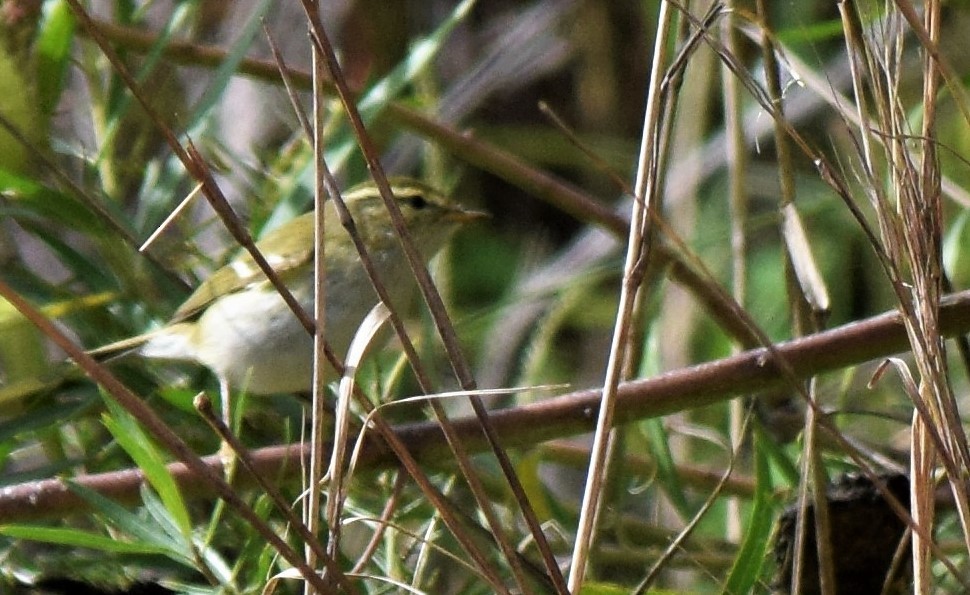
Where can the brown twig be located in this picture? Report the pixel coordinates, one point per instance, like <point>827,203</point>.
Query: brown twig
<point>204,406</point>
<point>390,507</point>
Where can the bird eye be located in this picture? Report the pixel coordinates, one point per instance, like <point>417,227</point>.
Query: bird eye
<point>417,202</point>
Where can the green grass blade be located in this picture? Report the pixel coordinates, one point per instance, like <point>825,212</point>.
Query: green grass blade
<point>78,538</point>
<point>148,458</point>
<point>228,68</point>
<point>751,557</point>
<point>131,524</point>
<point>53,52</point>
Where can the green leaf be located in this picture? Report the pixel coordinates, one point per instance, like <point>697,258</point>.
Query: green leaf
<point>669,478</point>
<point>20,111</point>
<point>53,51</point>
<point>528,470</point>
<point>751,557</point>
<point>657,440</point>
<point>781,461</point>
<point>215,564</point>
<point>22,349</point>
<point>420,56</point>
<point>134,525</point>
<point>38,418</point>
<point>78,538</point>
<point>596,588</point>
<point>227,69</point>
<point>148,458</point>
<point>956,256</point>
<point>122,102</point>
<point>83,267</point>
<point>40,201</point>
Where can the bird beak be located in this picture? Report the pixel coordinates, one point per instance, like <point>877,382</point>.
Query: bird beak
<point>462,216</point>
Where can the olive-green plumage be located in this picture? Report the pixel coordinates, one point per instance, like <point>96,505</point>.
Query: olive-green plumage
<point>236,323</point>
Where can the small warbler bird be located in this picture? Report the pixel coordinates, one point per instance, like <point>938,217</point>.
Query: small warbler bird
<point>238,325</point>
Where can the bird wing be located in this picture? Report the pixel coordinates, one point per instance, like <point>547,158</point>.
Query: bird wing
<point>285,248</point>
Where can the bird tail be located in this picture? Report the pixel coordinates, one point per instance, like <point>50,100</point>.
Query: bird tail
<point>171,342</point>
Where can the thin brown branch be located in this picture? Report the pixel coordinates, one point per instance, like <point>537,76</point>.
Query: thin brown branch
<point>442,322</point>
<point>103,215</point>
<point>205,474</point>
<point>489,157</point>
<point>574,413</point>
<point>193,163</point>
<point>204,406</point>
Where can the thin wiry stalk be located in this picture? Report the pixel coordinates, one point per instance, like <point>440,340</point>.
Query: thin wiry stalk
<point>204,406</point>
<point>921,465</point>
<point>290,85</point>
<point>428,546</point>
<point>314,133</point>
<point>390,507</point>
<point>812,486</point>
<point>449,513</point>
<point>566,452</point>
<point>684,534</point>
<point>923,215</point>
<point>443,324</point>
<point>929,42</point>
<point>931,192</point>
<point>923,260</point>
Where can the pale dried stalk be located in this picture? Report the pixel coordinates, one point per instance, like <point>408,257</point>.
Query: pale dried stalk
<point>738,207</point>
<point>922,215</point>
<point>633,270</point>
<point>809,301</point>
<point>911,233</point>
<point>319,405</point>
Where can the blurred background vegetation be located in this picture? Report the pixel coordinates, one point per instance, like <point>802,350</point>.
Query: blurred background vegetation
<point>86,177</point>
